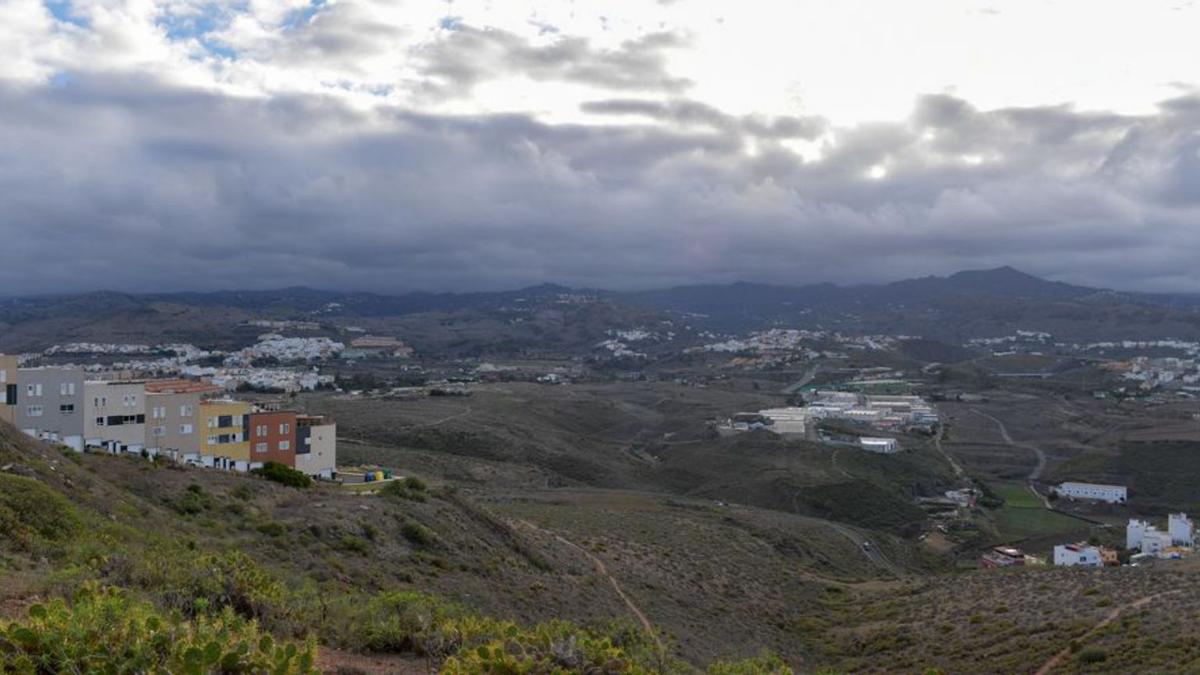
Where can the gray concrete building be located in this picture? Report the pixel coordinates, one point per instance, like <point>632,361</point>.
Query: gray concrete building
<point>114,415</point>
<point>50,405</point>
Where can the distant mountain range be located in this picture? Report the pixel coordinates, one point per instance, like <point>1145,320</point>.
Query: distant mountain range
<point>978,303</point>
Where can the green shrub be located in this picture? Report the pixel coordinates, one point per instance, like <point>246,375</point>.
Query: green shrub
<point>402,490</point>
<point>283,474</point>
<point>31,513</point>
<point>104,630</point>
<point>418,534</point>
<point>767,664</point>
<point>194,500</point>
<point>415,484</point>
<point>1092,655</point>
<point>272,529</point>
<point>354,544</point>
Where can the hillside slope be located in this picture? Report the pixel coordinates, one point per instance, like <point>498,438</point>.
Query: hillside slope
<point>374,578</point>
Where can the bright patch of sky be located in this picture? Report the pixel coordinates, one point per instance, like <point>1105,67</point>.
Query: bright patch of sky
<point>848,61</point>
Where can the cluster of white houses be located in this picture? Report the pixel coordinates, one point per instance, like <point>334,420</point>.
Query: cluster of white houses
<point>186,420</point>
<point>1142,539</point>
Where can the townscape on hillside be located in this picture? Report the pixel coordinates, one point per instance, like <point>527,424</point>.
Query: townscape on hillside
<point>189,421</point>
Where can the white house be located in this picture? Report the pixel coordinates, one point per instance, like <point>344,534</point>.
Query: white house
<point>882,445</point>
<point>1114,494</point>
<point>1180,527</point>
<point>1076,555</point>
<point>1146,538</point>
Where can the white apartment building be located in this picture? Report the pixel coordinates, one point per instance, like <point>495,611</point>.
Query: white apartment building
<point>1113,494</point>
<point>1181,529</point>
<point>1144,537</point>
<point>1076,555</point>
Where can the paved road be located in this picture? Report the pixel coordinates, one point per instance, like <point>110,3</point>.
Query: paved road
<point>871,552</point>
<point>1038,468</point>
<point>802,382</point>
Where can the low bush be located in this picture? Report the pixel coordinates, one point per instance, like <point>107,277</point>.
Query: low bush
<point>283,474</point>
<point>402,490</point>
<point>32,514</point>
<point>418,534</point>
<point>105,630</point>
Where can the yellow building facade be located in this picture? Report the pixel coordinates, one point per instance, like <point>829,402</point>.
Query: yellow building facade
<point>223,439</point>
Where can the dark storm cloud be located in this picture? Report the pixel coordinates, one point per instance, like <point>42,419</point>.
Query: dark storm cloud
<point>131,185</point>
<point>467,56</point>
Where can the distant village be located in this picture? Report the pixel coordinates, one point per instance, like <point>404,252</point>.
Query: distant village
<point>1144,542</point>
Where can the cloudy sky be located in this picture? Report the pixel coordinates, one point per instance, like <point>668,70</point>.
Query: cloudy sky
<point>399,144</point>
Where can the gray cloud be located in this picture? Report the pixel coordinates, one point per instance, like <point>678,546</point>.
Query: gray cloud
<point>695,113</point>
<point>468,55</point>
<point>129,184</point>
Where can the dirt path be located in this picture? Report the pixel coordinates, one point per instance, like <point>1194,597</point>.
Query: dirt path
<point>937,443</point>
<point>602,570</point>
<point>836,466</point>
<point>461,413</point>
<point>1036,473</point>
<point>1112,616</point>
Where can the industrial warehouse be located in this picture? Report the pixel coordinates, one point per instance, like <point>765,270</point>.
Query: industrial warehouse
<point>883,413</point>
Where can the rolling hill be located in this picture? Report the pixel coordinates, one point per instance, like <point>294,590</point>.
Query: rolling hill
<point>969,304</point>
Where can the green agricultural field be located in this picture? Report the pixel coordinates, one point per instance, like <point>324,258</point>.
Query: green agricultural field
<point>1023,516</point>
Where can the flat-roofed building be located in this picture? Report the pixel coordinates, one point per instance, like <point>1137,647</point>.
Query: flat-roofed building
<point>9,392</point>
<point>1077,555</point>
<point>50,405</point>
<point>223,441</point>
<point>173,426</point>
<point>114,417</point>
<point>1114,494</point>
<point>272,438</point>
<point>884,446</point>
<point>316,445</point>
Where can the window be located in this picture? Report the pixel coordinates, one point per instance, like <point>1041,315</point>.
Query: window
<point>66,408</point>
<point>225,421</point>
<point>285,445</point>
<point>212,440</point>
<point>3,375</point>
<point>260,447</point>
<point>212,423</point>
<point>66,389</point>
<point>99,421</point>
<point>159,431</point>
<point>129,400</point>
<point>186,411</point>
<point>34,411</point>
<point>186,429</point>
<point>260,430</point>
<point>285,428</point>
<point>33,390</point>
<point>159,412</point>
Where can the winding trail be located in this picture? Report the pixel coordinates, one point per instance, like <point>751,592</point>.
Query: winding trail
<point>937,443</point>
<point>1057,659</point>
<point>602,570</point>
<point>462,413</point>
<point>837,467</point>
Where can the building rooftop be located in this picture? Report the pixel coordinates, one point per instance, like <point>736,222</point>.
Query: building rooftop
<point>180,387</point>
